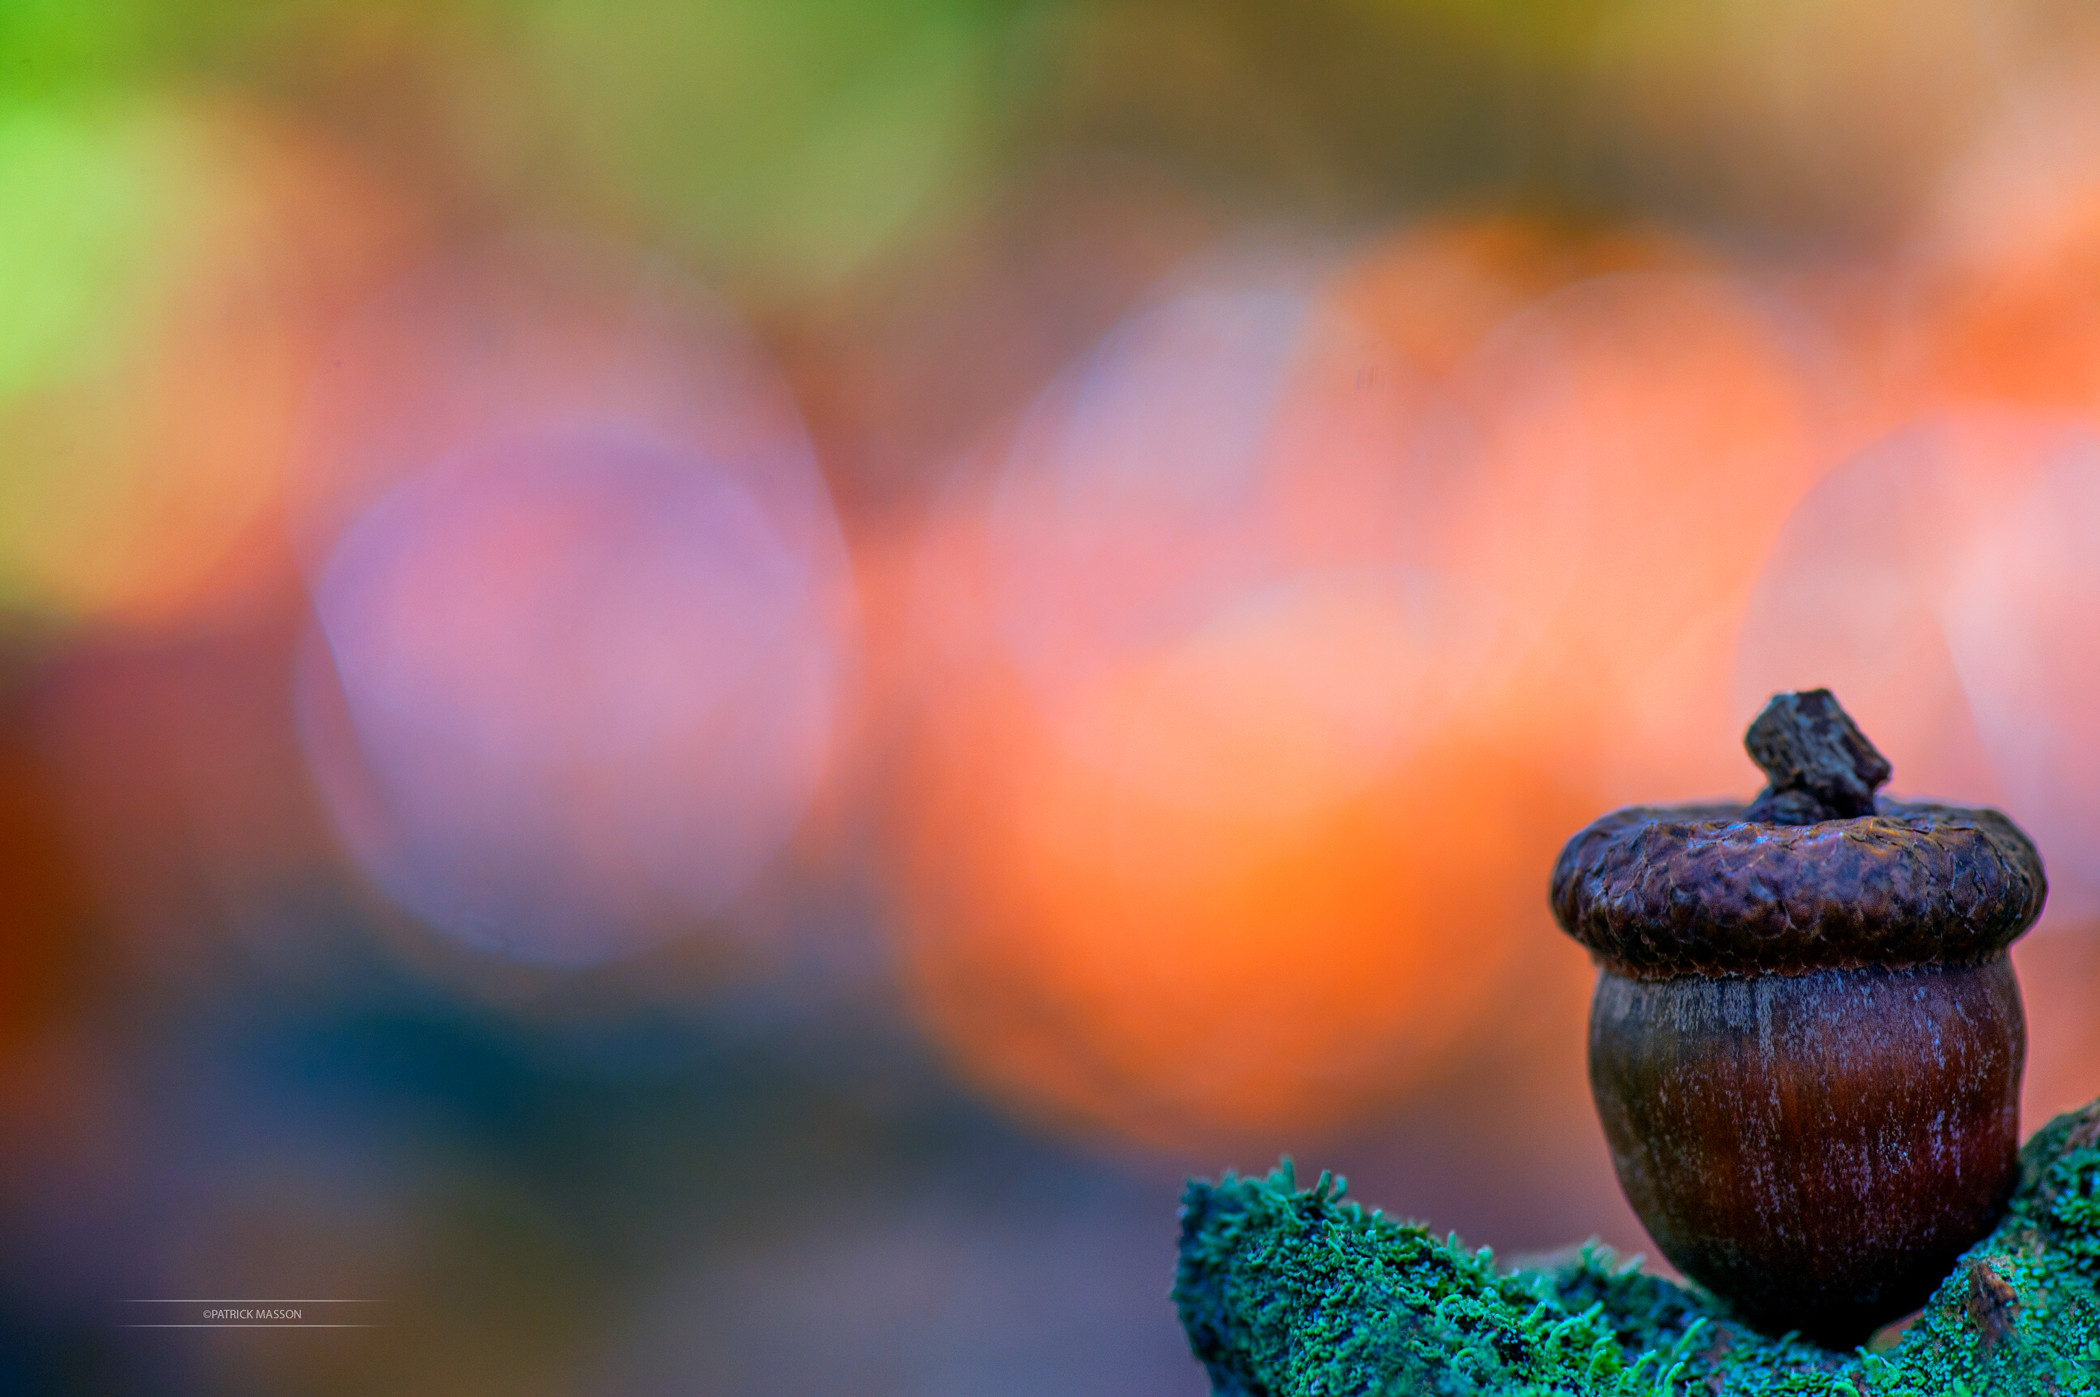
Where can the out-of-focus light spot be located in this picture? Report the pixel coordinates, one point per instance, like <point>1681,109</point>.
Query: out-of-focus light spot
<point>2004,266</point>
<point>1147,467</point>
<point>2023,622</point>
<point>587,682</point>
<point>788,140</point>
<point>1197,809</point>
<point>1639,439</point>
<point>162,299</point>
<point>1302,690</point>
<point>1115,959</point>
<point>77,273</point>
<point>588,646</point>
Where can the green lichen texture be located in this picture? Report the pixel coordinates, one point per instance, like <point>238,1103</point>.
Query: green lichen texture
<point>1299,1294</point>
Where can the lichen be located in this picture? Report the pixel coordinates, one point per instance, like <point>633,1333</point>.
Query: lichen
<point>1290,1293</point>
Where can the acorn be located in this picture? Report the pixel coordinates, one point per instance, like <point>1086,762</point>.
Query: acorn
<point>1807,1037</point>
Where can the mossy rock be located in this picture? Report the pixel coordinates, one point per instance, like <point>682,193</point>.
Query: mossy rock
<point>1299,1294</point>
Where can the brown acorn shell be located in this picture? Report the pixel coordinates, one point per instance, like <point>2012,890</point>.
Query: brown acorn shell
<point>1819,1148</point>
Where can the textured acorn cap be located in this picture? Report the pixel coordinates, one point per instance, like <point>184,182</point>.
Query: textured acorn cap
<point>1785,885</point>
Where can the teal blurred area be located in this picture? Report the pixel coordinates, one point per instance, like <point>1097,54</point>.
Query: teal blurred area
<point>691,692</point>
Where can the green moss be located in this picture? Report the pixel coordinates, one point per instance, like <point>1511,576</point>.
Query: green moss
<point>1299,1294</point>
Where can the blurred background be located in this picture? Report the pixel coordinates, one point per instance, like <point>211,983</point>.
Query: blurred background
<point>694,691</point>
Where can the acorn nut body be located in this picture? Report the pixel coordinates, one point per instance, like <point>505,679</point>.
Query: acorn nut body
<point>1807,1038</point>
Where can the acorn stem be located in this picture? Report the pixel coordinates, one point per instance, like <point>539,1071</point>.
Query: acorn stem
<point>1818,764</point>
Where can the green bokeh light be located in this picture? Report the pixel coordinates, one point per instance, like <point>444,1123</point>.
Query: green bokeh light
<point>787,141</point>
<point>113,210</point>
<point>85,241</point>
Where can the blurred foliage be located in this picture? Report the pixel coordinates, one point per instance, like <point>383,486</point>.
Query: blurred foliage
<point>796,139</point>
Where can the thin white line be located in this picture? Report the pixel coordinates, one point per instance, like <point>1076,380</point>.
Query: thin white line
<point>257,1325</point>
<point>253,1302</point>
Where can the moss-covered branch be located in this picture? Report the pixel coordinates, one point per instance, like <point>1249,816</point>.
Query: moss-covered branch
<point>1299,1294</point>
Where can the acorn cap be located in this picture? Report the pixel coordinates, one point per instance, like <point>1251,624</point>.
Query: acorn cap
<point>1817,873</point>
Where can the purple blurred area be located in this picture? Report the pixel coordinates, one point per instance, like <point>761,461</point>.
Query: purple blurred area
<point>691,693</point>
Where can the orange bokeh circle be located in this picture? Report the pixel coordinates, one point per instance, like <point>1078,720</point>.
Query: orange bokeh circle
<point>1276,861</point>
<point>1118,962</point>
